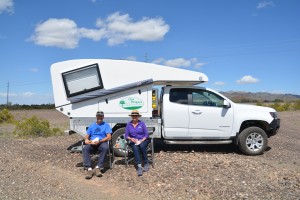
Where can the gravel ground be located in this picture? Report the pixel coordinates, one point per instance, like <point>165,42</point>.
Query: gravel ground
<point>43,168</point>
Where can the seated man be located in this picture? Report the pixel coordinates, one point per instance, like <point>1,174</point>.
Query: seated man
<point>96,140</point>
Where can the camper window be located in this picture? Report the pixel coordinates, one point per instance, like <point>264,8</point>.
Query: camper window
<point>82,80</point>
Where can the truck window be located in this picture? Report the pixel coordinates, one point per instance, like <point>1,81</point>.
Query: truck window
<point>206,98</point>
<point>179,95</point>
<point>82,80</point>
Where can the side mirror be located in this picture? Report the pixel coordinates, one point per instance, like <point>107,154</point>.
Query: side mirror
<point>226,104</point>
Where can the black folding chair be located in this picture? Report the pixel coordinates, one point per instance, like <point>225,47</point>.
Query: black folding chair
<point>95,155</point>
<point>150,151</point>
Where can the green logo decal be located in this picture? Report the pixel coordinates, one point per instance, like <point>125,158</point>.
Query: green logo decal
<point>131,103</point>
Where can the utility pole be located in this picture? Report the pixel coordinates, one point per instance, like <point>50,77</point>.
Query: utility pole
<point>7,93</point>
<point>146,57</point>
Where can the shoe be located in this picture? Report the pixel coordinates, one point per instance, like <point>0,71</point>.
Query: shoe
<point>102,170</point>
<point>90,174</point>
<point>140,171</point>
<point>146,167</point>
<point>98,172</point>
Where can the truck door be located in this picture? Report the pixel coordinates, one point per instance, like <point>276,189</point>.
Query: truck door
<point>208,118</point>
<point>175,113</point>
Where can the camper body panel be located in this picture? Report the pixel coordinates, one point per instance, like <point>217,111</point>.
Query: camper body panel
<point>69,78</point>
<point>113,105</point>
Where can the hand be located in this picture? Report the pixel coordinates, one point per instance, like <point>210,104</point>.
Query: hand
<point>95,142</point>
<point>133,140</point>
<point>138,142</point>
<point>87,141</point>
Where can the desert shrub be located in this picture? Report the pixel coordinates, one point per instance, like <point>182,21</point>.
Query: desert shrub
<point>296,105</point>
<point>260,104</point>
<point>6,116</point>
<point>286,106</point>
<point>277,106</point>
<point>34,127</point>
<point>281,106</point>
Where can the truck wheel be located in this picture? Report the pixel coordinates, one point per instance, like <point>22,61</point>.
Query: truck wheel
<point>118,141</point>
<point>253,141</point>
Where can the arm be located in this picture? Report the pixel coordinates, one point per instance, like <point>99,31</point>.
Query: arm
<point>107,138</point>
<point>87,137</point>
<point>146,135</point>
<point>127,132</point>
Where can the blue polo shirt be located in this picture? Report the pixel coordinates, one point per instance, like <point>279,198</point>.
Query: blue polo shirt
<point>139,132</point>
<point>98,130</point>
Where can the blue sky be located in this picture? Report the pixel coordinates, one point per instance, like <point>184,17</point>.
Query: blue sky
<point>241,45</point>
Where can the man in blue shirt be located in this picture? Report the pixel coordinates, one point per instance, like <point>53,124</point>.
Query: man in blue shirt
<point>96,140</point>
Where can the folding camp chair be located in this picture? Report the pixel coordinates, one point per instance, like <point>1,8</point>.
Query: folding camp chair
<point>150,151</point>
<point>95,155</point>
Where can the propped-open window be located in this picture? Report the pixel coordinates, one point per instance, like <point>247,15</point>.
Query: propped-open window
<point>82,80</point>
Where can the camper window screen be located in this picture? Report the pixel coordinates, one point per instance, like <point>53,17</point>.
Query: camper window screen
<point>83,80</point>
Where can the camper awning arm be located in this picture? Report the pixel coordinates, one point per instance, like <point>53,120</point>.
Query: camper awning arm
<point>104,92</point>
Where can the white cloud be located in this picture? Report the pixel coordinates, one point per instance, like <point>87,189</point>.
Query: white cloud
<point>27,94</point>
<point>247,80</point>
<point>61,33</point>
<point>6,6</point>
<point>219,83</point>
<point>198,65</point>
<point>265,4</point>
<point>158,61</point>
<point>116,29</point>
<point>178,62</point>
<point>2,94</point>
<point>34,69</point>
<point>132,58</point>
<point>120,28</point>
<point>21,95</point>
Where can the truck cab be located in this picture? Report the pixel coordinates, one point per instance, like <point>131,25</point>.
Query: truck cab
<point>198,115</point>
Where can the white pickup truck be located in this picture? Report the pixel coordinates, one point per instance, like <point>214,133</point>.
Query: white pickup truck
<point>173,108</point>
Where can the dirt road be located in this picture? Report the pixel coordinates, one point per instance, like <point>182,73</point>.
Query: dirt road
<point>43,168</point>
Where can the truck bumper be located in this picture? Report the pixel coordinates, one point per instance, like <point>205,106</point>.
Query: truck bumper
<point>274,127</point>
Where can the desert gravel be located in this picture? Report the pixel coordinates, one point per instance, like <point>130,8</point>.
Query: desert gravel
<point>43,168</point>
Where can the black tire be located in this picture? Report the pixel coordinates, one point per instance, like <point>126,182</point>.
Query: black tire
<point>118,137</point>
<point>253,141</point>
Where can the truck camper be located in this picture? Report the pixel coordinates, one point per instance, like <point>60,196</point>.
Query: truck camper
<point>172,106</point>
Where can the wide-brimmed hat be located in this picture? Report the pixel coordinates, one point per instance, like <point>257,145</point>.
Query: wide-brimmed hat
<point>100,113</point>
<point>135,113</point>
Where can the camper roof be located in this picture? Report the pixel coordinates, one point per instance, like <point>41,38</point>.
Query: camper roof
<point>115,74</point>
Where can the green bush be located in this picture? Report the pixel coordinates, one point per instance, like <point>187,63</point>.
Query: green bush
<point>34,127</point>
<point>296,105</point>
<point>283,106</point>
<point>6,116</point>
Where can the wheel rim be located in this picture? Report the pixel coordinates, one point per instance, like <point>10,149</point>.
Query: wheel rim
<point>254,142</point>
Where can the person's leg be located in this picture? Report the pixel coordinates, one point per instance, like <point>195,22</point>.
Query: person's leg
<point>136,153</point>
<point>103,148</point>
<point>143,149</point>
<point>137,158</point>
<point>86,152</point>
<point>87,161</point>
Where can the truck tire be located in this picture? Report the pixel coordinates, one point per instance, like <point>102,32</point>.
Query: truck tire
<point>118,140</point>
<point>253,141</point>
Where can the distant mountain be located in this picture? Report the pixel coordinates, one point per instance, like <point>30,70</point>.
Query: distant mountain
<point>239,96</point>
